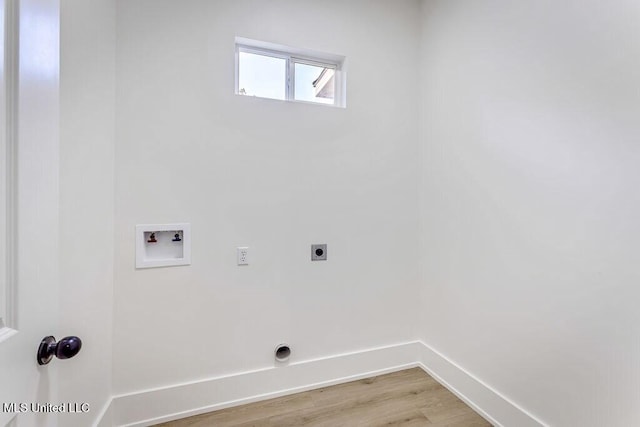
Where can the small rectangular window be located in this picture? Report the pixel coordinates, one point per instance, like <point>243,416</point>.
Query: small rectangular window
<point>273,71</point>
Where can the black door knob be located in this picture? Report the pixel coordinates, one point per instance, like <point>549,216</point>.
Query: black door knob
<point>66,348</point>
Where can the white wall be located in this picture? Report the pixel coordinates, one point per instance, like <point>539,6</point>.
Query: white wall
<point>270,175</point>
<point>87,91</point>
<point>530,204</point>
<point>526,126</point>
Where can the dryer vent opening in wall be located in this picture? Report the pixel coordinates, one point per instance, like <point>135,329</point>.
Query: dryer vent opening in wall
<point>283,351</point>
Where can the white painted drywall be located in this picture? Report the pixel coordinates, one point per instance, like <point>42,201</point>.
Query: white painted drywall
<point>528,138</point>
<point>529,201</point>
<point>270,175</point>
<point>87,129</point>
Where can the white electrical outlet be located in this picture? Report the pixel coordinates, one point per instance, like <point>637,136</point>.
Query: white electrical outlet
<point>243,255</point>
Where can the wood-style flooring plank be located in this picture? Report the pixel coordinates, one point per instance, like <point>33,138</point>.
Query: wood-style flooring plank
<point>408,398</point>
<point>247,414</point>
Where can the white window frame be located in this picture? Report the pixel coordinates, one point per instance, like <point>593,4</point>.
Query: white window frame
<point>294,56</point>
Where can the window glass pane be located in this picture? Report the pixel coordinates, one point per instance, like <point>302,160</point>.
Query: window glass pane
<point>261,75</point>
<point>314,84</point>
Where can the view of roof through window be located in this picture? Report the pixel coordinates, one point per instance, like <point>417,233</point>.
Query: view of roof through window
<point>311,83</point>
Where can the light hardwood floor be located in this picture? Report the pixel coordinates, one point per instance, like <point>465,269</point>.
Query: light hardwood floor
<point>405,398</point>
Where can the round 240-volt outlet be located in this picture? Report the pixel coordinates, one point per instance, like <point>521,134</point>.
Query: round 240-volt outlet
<point>319,252</point>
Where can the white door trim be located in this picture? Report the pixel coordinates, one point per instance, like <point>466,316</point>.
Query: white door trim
<point>8,314</point>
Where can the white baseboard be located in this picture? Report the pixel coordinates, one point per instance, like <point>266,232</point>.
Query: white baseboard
<point>105,419</point>
<point>148,407</point>
<point>492,405</point>
<point>158,405</point>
